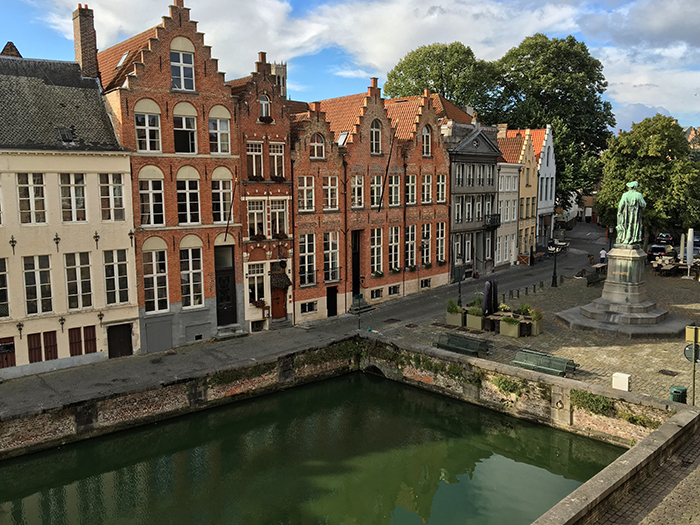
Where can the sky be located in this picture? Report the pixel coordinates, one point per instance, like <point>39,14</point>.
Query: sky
<point>650,50</point>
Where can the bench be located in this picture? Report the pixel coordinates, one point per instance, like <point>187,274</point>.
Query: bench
<point>463,344</point>
<point>545,363</point>
<point>592,278</point>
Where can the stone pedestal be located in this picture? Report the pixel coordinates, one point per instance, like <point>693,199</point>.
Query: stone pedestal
<point>624,283</point>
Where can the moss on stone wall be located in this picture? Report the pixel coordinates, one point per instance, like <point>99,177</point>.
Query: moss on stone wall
<point>229,376</point>
<point>337,352</point>
<point>600,405</point>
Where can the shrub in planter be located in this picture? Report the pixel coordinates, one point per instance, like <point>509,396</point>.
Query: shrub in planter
<point>377,274</point>
<point>260,303</point>
<point>503,307</point>
<point>455,313</point>
<point>537,322</point>
<point>441,263</point>
<point>478,300</point>
<point>394,271</point>
<point>428,266</point>
<point>510,326</point>
<point>411,268</point>
<point>475,318</point>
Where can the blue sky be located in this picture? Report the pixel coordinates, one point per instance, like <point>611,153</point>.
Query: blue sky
<point>651,55</point>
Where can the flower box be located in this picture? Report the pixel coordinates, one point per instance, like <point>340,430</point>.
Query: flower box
<point>455,319</point>
<point>508,329</point>
<point>475,322</point>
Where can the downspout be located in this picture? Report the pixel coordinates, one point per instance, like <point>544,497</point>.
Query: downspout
<point>345,229</point>
<point>294,252</point>
<point>405,185</point>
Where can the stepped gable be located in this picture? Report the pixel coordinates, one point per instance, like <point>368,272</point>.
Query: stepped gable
<point>511,149</point>
<point>344,113</point>
<point>114,77</point>
<point>537,138</point>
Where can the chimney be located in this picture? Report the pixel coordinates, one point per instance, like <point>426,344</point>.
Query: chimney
<point>261,66</point>
<point>85,40</point>
<point>373,90</point>
<point>502,131</point>
<point>180,3</point>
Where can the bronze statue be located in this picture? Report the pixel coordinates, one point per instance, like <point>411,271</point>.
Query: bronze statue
<point>629,216</point>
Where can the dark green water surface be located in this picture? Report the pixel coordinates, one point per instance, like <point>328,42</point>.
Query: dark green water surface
<point>355,450</point>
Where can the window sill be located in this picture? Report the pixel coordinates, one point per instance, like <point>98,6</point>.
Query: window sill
<point>357,208</point>
<point>318,159</point>
<point>331,210</point>
<point>308,212</point>
<point>150,151</point>
<point>311,285</point>
<point>187,91</point>
<point>196,308</point>
<point>185,153</point>
<point>427,156</point>
<point>334,281</point>
<point>159,313</point>
<point>258,121</point>
<point>377,154</point>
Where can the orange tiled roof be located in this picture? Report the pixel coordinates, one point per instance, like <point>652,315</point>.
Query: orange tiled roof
<point>511,147</point>
<point>447,109</point>
<point>113,77</point>
<point>342,112</point>
<point>239,85</point>
<point>537,138</point>
<point>402,112</point>
<point>297,106</point>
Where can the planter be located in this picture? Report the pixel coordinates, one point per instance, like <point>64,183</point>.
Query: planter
<point>525,328</point>
<point>454,319</point>
<point>475,322</point>
<point>537,327</point>
<point>511,330</point>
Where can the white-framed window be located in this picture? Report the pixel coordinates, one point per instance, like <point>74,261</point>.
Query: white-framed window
<point>147,132</point>
<point>375,191</point>
<point>254,159</point>
<point>478,207</point>
<point>498,249</point>
<point>221,191</point>
<point>410,189</point>
<point>357,187</point>
<point>440,241</point>
<point>427,189</point>
<point>256,282</point>
<point>394,190</point>
<point>488,254</point>
<point>500,183</point>
<point>425,244</point>
<point>219,136</point>
<point>330,193</point>
<point>256,218</point>
<point>459,209</point>
<point>182,70</point>
<point>426,141</point>
<point>32,204</point>
<point>116,280</point>
<point>151,202</point>
<point>331,270</point>
<point>306,193</point>
<point>188,201</point>
<point>395,289</point>
<point>277,160</point>
<point>72,186</point>
<point>112,197</point>
<point>185,134</point>
<point>480,175</point>
<point>468,247</point>
<point>459,174</point>
<point>377,293</point>
<point>155,280</point>
<point>441,190</point>
<point>4,296</point>
<point>424,283</point>
<point>307,259</point>
<point>264,106</point>
<point>375,137</point>
<point>78,280</point>
<point>278,216</point>
<point>470,175</point>
<point>551,190</point>
<point>191,279</point>
<point>489,175</point>
<point>394,243</point>
<point>487,205</point>
<point>468,217</point>
<point>375,250</point>
<point>500,209</point>
<point>410,245</point>
<point>317,147</point>
<point>37,284</point>
<point>308,307</point>
<point>457,248</point>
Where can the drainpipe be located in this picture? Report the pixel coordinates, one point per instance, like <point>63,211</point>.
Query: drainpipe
<point>403,274</point>
<point>345,229</point>
<point>292,217</point>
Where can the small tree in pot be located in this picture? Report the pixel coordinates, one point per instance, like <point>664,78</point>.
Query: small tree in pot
<point>455,313</point>
<point>475,318</point>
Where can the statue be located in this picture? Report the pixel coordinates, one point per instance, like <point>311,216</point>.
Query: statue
<point>629,216</point>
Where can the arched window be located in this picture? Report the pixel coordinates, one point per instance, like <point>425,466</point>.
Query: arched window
<point>426,141</point>
<point>317,147</point>
<point>182,64</point>
<point>375,137</point>
<point>264,106</point>
<point>147,114</point>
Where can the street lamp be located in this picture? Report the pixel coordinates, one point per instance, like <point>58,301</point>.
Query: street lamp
<point>554,273</point>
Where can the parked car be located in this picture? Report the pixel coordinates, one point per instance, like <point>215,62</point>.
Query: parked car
<point>654,251</point>
<point>664,238</point>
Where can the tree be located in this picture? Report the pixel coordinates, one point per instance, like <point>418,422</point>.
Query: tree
<point>656,154</point>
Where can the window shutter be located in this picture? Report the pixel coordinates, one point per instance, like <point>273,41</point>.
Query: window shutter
<point>76,341</point>
<point>34,344</point>
<point>90,339</point>
<point>50,346</point>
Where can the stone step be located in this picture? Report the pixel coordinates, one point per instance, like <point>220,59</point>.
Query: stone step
<point>229,332</point>
<point>278,324</point>
<point>655,316</point>
<point>624,308</point>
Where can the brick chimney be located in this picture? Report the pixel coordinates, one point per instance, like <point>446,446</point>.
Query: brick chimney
<point>373,90</point>
<point>85,40</point>
<point>261,66</point>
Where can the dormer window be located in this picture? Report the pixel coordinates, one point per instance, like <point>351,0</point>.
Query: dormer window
<point>264,107</point>
<point>317,147</point>
<point>66,135</point>
<point>121,60</point>
<point>375,137</point>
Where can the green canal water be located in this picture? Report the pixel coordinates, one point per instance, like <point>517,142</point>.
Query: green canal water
<point>354,450</point>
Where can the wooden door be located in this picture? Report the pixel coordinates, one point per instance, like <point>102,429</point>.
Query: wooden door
<point>119,340</point>
<point>279,303</point>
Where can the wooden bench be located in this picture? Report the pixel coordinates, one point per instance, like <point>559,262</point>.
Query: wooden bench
<point>600,267</point>
<point>463,344</point>
<point>545,363</point>
<point>592,278</point>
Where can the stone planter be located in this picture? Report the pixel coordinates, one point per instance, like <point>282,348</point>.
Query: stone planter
<point>537,327</point>
<point>475,322</point>
<point>454,319</point>
<point>525,328</point>
<point>511,330</point>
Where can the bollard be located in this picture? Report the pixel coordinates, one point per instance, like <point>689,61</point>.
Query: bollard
<point>534,288</point>
<point>541,285</point>
<point>510,294</point>
<point>518,292</point>
<point>504,298</point>
<point>561,280</point>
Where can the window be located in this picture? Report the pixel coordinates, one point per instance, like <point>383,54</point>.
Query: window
<point>394,264</point>
<point>330,193</point>
<point>424,283</point>
<point>375,138</point>
<point>459,209</point>
<point>116,281</point>
<point>375,191</point>
<point>219,136</point>
<point>551,190</point>
<point>78,336</point>
<point>72,187</point>
<point>425,244</point>
<point>7,352</point>
<point>256,282</point>
<point>256,218</point>
<point>441,195</point>
<point>470,175</point>
<point>155,280</point>
<point>498,249</point>
<point>375,247</point>
<point>500,208</point>
<point>111,196</point>
<point>394,190</point>
<point>357,191</point>
<point>527,207</point>
<point>50,346</point>
<point>277,160</point>
<point>151,202</point>
<point>331,270</point>
<point>78,280</point>
<point>479,198</point>
<point>488,254</point>
<point>254,155</point>
<point>147,132</point>
<point>317,148</point>
<point>410,189</point>
<point>487,205</point>
<point>188,201</point>
<point>459,175</point>
<point>310,307</point>
<point>182,70</point>
<point>307,264</point>
<point>468,217</point>
<point>489,175</point>
<point>30,187</point>
<point>426,141</point>
<point>37,284</point>
<point>457,247</point>
<point>522,201</point>
<point>376,294</point>
<point>410,245</point>
<point>440,241</point>
<point>264,107</point>
<point>306,193</point>
<point>185,130</point>
<point>500,183</point>
<point>4,297</point>
<point>426,189</point>
<point>480,175</point>
<point>468,247</point>
<point>221,199</point>
<point>395,290</point>
<point>278,216</point>
<point>527,176</point>
<point>548,148</point>
<point>191,277</point>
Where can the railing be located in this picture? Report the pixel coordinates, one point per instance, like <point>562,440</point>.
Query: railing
<point>493,220</point>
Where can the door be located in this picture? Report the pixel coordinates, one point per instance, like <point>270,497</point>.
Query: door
<point>332,300</point>
<point>279,303</point>
<point>225,286</point>
<point>119,340</point>
<point>355,248</point>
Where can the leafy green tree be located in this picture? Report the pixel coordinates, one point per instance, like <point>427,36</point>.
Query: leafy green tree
<point>656,154</point>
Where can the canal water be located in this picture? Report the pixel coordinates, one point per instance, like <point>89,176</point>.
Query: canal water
<point>357,450</point>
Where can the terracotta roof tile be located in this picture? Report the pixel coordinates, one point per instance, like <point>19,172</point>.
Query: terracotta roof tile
<point>113,77</point>
<point>446,109</point>
<point>342,112</point>
<point>537,138</point>
<point>511,147</point>
<point>402,112</point>
<point>297,106</point>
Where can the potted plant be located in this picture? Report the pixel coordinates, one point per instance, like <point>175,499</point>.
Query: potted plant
<point>537,322</point>
<point>441,262</point>
<point>411,268</point>
<point>394,271</point>
<point>510,326</point>
<point>260,303</point>
<point>428,266</point>
<point>475,318</point>
<point>455,313</point>
<point>279,235</point>
<point>378,273</point>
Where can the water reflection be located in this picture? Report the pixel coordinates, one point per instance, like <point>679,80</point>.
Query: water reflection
<point>352,450</point>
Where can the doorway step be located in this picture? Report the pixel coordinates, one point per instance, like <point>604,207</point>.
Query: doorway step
<point>360,306</point>
<point>278,324</point>
<point>229,332</point>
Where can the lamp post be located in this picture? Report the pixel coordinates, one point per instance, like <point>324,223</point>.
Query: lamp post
<point>554,273</point>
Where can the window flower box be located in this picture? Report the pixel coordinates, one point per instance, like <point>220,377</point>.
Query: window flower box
<point>377,274</point>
